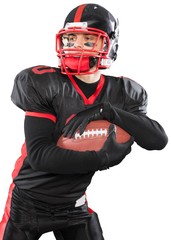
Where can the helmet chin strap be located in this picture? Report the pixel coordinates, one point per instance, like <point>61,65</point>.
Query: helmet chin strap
<point>79,64</point>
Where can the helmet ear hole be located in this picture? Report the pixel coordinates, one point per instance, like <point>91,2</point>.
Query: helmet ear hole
<point>112,35</point>
<point>113,50</point>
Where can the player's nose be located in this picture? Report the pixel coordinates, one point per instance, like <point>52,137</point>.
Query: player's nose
<point>79,42</point>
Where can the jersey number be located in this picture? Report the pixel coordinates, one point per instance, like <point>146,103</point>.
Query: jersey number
<point>43,69</point>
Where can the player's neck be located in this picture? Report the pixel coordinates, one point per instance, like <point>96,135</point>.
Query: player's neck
<point>90,78</point>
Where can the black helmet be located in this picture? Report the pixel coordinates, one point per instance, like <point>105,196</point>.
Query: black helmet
<point>95,19</point>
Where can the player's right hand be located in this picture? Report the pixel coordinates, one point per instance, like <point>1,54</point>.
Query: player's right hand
<point>112,152</point>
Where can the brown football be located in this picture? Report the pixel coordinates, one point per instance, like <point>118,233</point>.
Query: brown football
<point>93,137</point>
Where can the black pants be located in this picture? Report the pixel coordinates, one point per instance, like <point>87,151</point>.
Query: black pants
<point>30,219</point>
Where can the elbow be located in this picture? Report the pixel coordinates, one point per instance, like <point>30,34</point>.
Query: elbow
<point>162,142</point>
<point>157,143</point>
<point>160,139</point>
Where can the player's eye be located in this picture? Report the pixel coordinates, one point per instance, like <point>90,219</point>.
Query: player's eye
<point>72,38</point>
<point>92,37</point>
<point>90,40</point>
<point>68,40</point>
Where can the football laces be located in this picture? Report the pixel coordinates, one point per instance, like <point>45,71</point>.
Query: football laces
<point>98,132</point>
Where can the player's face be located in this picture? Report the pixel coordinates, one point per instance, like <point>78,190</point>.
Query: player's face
<point>81,41</point>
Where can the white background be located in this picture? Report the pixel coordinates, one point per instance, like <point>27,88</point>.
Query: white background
<point>133,200</point>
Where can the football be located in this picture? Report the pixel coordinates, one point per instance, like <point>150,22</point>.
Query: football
<point>93,138</point>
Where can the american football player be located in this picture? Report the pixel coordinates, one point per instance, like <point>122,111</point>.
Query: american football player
<point>49,183</point>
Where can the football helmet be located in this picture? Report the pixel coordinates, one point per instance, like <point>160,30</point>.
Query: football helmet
<point>89,20</point>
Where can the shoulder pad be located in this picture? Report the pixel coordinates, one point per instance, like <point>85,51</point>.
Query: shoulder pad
<point>135,95</point>
<point>34,88</point>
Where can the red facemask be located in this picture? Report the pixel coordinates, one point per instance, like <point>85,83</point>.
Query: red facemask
<point>81,63</point>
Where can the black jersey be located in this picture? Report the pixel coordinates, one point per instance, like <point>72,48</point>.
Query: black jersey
<point>44,90</point>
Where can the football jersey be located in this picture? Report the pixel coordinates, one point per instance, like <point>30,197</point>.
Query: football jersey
<point>44,89</point>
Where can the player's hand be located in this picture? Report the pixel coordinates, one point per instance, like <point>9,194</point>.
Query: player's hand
<point>80,121</point>
<point>112,152</point>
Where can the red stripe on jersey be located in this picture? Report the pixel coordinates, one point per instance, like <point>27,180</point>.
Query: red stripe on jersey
<point>19,161</point>
<point>93,97</point>
<point>79,12</point>
<point>15,172</point>
<point>6,214</point>
<point>90,210</point>
<point>41,115</point>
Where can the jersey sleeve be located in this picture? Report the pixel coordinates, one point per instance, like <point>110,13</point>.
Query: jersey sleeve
<point>136,97</point>
<point>147,133</point>
<point>29,94</point>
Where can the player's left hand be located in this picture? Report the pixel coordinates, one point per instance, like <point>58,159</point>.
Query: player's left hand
<point>80,121</point>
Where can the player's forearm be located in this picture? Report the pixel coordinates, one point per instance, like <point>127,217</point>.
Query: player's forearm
<point>45,156</point>
<point>148,133</point>
<point>55,160</point>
